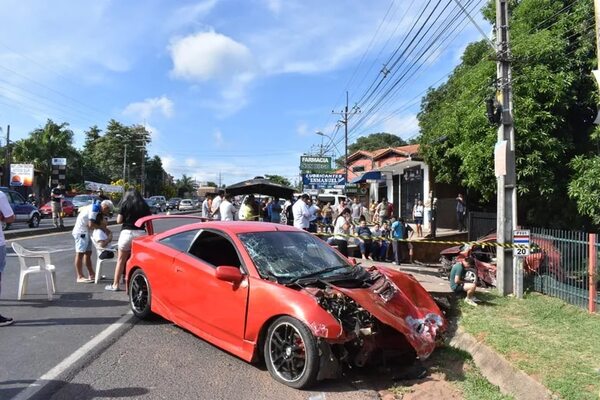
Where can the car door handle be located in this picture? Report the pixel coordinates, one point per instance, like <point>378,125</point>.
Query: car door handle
<point>178,269</point>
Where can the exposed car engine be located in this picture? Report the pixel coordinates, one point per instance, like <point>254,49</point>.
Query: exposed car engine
<point>353,317</point>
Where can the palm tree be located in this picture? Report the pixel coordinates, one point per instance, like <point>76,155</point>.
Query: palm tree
<point>184,185</point>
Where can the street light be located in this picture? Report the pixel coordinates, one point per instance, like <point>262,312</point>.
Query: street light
<point>330,140</point>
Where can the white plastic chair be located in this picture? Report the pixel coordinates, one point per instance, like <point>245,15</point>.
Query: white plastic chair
<point>44,267</point>
<point>100,262</point>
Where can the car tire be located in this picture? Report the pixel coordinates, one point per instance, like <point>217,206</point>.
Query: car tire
<point>289,341</point>
<point>471,275</point>
<point>34,222</point>
<point>140,295</point>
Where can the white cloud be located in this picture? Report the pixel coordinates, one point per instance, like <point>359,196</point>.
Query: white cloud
<point>275,6</point>
<point>190,14</point>
<point>209,55</point>
<point>302,129</point>
<point>154,132</point>
<point>191,162</point>
<point>403,126</point>
<point>145,109</point>
<point>218,137</point>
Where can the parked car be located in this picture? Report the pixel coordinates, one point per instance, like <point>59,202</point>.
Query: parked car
<point>24,211</point>
<point>69,209</point>
<point>154,207</point>
<point>544,258</point>
<point>173,203</point>
<point>161,202</point>
<point>82,200</point>
<point>186,204</point>
<point>230,278</point>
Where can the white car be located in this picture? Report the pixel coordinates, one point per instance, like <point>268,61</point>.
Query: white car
<point>186,204</point>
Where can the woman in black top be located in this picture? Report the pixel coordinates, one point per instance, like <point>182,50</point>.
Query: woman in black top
<point>133,207</point>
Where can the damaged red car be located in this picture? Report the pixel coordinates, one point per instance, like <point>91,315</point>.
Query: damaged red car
<point>544,258</point>
<point>274,293</point>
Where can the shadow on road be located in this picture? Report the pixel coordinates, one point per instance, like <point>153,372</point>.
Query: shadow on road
<point>59,390</point>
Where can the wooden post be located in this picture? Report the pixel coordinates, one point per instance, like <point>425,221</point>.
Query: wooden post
<point>592,270</point>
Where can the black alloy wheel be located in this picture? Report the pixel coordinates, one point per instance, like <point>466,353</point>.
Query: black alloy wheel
<point>291,353</point>
<point>140,295</point>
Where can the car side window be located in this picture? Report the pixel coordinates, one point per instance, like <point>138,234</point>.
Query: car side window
<point>180,241</point>
<point>17,199</point>
<point>215,249</point>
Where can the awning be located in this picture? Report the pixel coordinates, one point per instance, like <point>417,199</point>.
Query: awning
<point>370,175</point>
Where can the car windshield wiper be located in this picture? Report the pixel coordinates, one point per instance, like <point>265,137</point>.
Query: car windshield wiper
<point>316,273</point>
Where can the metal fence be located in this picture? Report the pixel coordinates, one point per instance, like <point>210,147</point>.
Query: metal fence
<point>563,264</point>
<point>480,224</point>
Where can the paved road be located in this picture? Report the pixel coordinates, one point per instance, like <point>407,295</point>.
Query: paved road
<point>148,360</point>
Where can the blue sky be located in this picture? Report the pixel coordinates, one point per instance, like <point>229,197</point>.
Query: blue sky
<point>236,87</point>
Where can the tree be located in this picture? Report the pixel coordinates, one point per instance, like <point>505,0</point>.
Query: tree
<point>211,184</point>
<point>278,179</point>
<point>184,185</point>
<point>553,96</point>
<point>43,144</point>
<point>372,142</point>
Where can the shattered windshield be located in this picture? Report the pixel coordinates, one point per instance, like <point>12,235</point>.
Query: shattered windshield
<point>292,255</point>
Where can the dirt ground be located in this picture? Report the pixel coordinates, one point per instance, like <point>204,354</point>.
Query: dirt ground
<point>428,380</point>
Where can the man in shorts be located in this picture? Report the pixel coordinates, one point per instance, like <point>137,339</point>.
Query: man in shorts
<point>457,280</point>
<point>57,195</point>
<point>89,218</point>
<point>7,215</point>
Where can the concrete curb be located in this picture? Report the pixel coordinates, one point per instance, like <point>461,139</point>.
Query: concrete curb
<point>498,370</point>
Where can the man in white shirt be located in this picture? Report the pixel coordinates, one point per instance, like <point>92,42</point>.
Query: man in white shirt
<point>301,212</point>
<point>226,209</point>
<point>7,215</point>
<point>216,204</point>
<point>88,219</point>
<point>206,207</point>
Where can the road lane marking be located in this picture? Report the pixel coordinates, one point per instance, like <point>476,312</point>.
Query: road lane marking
<point>71,360</point>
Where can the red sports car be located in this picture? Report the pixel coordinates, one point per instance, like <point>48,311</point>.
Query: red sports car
<point>276,293</point>
<point>544,258</point>
<point>69,209</point>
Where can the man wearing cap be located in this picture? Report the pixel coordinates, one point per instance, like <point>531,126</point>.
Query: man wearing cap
<point>301,212</point>
<point>88,219</point>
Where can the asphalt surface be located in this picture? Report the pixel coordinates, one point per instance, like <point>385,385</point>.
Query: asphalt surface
<point>65,342</point>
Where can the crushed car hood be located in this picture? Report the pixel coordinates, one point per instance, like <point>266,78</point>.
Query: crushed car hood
<point>399,301</point>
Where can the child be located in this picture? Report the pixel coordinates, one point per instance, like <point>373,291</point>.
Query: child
<point>102,240</point>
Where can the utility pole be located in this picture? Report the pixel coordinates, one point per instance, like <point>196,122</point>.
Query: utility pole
<point>7,158</point>
<point>144,169</point>
<point>344,121</point>
<point>597,72</point>
<point>124,166</point>
<point>505,155</point>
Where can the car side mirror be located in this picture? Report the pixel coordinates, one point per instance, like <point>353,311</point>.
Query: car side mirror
<point>352,260</point>
<point>229,274</point>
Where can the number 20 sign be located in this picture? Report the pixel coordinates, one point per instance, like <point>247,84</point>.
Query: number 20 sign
<point>521,240</point>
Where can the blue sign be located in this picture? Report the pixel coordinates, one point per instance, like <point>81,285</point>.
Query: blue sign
<point>322,181</point>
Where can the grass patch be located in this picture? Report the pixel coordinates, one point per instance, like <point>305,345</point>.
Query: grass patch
<point>556,343</point>
<point>460,369</point>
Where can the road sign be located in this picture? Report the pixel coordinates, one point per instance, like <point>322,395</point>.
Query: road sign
<point>315,163</point>
<point>59,161</point>
<point>522,241</point>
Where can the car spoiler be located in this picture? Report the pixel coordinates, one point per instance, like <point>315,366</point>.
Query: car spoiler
<point>148,220</point>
